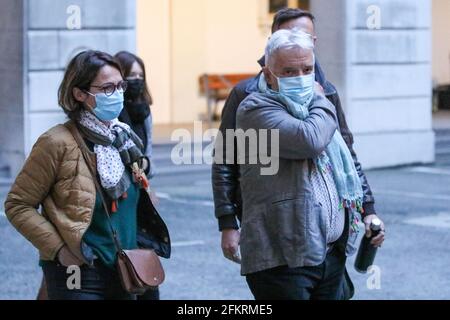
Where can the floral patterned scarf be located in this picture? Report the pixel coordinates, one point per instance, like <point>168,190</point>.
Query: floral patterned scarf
<point>116,146</point>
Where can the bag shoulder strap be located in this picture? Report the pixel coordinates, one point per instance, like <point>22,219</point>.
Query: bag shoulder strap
<point>73,128</point>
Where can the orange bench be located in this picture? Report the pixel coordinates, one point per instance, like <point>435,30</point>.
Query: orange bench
<point>217,87</point>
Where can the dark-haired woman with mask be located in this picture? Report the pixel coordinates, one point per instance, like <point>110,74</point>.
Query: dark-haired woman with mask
<point>137,114</point>
<point>80,173</point>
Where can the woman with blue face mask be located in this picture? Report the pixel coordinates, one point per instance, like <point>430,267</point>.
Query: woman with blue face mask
<point>79,173</point>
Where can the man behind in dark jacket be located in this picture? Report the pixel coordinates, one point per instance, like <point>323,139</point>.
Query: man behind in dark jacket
<point>225,173</point>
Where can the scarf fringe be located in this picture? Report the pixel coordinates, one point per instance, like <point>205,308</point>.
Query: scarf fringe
<point>115,203</point>
<point>354,206</point>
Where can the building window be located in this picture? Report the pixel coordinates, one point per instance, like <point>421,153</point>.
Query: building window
<point>268,8</point>
<point>303,4</point>
<point>275,5</point>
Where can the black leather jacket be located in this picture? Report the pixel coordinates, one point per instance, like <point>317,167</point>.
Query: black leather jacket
<point>225,177</point>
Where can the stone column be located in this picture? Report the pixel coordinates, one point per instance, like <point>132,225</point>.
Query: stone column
<point>11,90</point>
<point>383,75</point>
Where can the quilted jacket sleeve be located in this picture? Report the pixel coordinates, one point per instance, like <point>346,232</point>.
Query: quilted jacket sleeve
<point>31,187</point>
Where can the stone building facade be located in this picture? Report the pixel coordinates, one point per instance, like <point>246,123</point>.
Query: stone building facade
<point>384,75</point>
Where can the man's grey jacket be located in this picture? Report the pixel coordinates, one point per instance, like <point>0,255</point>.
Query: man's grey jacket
<point>225,176</point>
<point>282,222</point>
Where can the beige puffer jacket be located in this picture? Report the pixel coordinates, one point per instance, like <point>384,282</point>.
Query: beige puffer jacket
<point>55,176</point>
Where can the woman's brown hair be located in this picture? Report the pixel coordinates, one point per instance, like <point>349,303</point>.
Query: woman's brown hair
<point>81,71</point>
<point>126,60</point>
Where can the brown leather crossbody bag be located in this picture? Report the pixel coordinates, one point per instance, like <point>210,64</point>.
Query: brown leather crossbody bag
<point>139,269</point>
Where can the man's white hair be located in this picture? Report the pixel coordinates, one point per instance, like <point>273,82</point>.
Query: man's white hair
<point>286,39</point>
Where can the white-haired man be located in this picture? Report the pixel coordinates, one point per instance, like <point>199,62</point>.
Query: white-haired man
<point>300,224</point>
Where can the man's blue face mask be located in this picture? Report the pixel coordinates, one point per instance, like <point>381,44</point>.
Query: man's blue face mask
<point>299,89</point>
<point>108,107</point>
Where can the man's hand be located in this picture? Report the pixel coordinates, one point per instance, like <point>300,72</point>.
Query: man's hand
<point>230,244</point>
<point>67,258</point>
<point>379,239</point>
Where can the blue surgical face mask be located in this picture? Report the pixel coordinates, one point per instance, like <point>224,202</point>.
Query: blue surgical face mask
<point>108,107</point>
<point>299,89</point>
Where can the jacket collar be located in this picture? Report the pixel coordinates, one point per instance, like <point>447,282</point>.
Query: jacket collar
<point>88,155</point>
<point>322,80</point>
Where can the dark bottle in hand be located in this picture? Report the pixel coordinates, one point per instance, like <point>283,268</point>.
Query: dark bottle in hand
<point>367,251</point>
